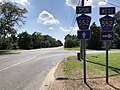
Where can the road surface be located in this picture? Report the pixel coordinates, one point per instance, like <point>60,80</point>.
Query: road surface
<point>26,70</point>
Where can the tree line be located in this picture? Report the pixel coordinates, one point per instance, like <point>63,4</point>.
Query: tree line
<point>11,18</point>
<point>95,42</point>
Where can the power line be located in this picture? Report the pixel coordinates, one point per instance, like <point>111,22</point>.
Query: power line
<point>110,3</point>
<point>74,19</point>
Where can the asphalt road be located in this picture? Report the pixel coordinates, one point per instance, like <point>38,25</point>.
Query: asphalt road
<point>26,70</point>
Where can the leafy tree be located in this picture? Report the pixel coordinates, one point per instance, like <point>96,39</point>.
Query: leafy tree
<point>94,42</point>
<point>25,40</point>
<point>71,41</point>
<point>11,16</point>
<point>59,43</point>
<point>36,39</point>
<point>52,41</point>
<point>116,29</point>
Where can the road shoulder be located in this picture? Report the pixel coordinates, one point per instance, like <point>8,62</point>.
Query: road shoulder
<point>49,79</point>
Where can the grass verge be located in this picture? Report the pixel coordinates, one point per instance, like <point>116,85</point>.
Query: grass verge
<point>76,48</point>
<point>95,65</point>
<point>5,51</point>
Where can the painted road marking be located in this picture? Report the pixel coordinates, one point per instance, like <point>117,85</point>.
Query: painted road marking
<point>16,64</point>
<point>2,57</point>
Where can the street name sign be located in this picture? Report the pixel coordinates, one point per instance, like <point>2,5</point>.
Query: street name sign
<point>107,23</point>
<point>107,36</point>
<point>83,9</point>
<point>107,10</point>
<point>83,34</point>
<point>83,22</point>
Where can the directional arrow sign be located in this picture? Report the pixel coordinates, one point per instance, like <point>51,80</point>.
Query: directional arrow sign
<point>83,34</point>
<point>83,22</point>
<point>107,23</point>
<point>107,35</point>
<point>83,9</point>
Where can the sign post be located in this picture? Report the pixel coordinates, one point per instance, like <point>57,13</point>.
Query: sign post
<point>83,22</point>
<point>107,62</point>
<point>107,34</point>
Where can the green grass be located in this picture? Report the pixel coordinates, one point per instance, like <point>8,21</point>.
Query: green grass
<point>4,51</point>
<point>76,48</point>
<point>95,64</point>
<point>98,61</point>
<point>114,49</point>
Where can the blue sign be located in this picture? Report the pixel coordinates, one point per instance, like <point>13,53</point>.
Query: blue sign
<point>83,34</point>
<point>107,10</point>
<point>107,23</point>
<point>107,36</point>
<point>83,22</point>
<point>83,9</point>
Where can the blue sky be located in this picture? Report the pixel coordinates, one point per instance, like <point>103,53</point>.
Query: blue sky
<point>54,17</point>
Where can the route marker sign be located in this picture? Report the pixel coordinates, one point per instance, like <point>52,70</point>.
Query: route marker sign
<point>107,36</point>
<point>107,23</point>
<point>107,10</point>
<point>83,34</point>
<point>83,9</point>
<point>83,22</point>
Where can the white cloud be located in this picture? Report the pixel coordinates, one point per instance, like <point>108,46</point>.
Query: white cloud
<point>69,29</point>
<point>51,28</point>
<point>47,19</point>
<point>22,2</point>
<point>102,3</point>
<point>1,0</point>
<point>74,3</point>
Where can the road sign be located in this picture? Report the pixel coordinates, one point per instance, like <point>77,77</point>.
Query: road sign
<point>107,36</point>
<point>83,9</point>
<point>83,22</point>
<point>83,34</point>
<point>107,10</point>
<point>107,22</point>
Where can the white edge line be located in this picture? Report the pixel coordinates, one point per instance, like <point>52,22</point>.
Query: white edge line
<point>16,64</point>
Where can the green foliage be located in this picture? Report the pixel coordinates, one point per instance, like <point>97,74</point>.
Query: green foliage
<point>94,42</point>
<point>25,40</point>
<point>59,43</point>
<point>11,16</point>
<point>71,41</point>
<point>36,40</point>
<point>116,29</point>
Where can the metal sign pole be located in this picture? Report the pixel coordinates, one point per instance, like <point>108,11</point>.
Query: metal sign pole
<point>84,62</point>
<point>82,42</point>
<point>106,61</point>
<point>84,56</point>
